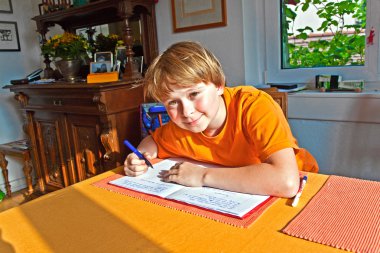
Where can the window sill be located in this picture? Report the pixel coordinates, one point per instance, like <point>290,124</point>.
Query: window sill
<point>335,106</point>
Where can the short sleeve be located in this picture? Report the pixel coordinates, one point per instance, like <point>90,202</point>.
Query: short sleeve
<point>266,126</point>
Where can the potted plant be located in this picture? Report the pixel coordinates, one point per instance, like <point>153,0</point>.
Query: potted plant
<point>68,52</point>
<point>104,43</point>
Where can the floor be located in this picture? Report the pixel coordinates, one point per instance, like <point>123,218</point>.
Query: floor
<point>16,199</point>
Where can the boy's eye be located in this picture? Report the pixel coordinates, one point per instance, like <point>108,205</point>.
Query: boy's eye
<point>172,103</point>
<point>194,94</point>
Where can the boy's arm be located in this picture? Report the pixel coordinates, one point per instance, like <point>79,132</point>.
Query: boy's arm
<point>133,166</point>
<point>148,145</point>
<point>277,176</point>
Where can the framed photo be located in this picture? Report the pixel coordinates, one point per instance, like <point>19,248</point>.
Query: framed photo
<point>100,67</point>
<point>139,61</point>
<point>121,54</point>
<point>9,40</point>
<point>104,56</point>
<point>198,14</point>
<point>6,6</point>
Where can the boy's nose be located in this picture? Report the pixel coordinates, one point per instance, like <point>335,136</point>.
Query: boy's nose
<point>187,108</point>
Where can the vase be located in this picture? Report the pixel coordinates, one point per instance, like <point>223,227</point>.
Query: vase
<point>69,69</point>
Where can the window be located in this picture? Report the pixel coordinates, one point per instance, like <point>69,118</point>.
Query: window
<point>355,68</point>
<point>322,33</point>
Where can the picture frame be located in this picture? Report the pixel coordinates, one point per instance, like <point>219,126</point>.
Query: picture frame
<point>139,61</point>
<point>104,56</point>
<point>188,15</point>
<point>100,67</point>
<point>121,54</point>
<point>9,40</point>
<point>6,6</point>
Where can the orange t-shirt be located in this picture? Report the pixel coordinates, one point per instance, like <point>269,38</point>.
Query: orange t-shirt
<point>254,129</point>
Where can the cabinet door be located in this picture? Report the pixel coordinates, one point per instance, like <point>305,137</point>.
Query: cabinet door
<point>84,134</point>
<point>52,157</point>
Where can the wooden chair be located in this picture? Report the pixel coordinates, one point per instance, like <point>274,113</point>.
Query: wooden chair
<point>280,97</point>
<point>19,149</point>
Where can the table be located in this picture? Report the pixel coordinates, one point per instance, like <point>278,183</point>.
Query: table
<point>85,218</point>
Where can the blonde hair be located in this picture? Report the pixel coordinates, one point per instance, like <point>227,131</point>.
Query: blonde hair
<point>183,64</point>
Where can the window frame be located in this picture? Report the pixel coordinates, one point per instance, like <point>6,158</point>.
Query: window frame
<point>370,72</point>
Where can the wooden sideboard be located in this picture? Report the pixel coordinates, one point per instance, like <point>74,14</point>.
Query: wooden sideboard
<point>76,130</point>
<point>104,12</point>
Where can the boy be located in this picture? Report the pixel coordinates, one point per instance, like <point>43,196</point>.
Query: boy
<point>240,128</point>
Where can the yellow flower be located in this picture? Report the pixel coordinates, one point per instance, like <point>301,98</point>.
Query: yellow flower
<point>66,46</point>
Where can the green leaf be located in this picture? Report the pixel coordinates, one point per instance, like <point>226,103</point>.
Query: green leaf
<point>305,7</point>
<point>302,36</point>
<point>290,14</point>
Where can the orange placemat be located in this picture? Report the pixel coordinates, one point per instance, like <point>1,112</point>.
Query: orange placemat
<point>344,214</point>
<point>239,222</point>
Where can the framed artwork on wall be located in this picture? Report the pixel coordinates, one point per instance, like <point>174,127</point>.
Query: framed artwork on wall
<point>9,40</point>
<point>191,15</point>
<point>6,6</point>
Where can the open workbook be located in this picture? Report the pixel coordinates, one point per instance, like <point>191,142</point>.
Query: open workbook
<point>231,203</point>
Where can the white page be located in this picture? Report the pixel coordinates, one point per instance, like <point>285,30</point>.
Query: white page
<point>150,182</point>
<point>234,203</point>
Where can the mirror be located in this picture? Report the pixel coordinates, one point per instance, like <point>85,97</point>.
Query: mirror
<point>116,28</point>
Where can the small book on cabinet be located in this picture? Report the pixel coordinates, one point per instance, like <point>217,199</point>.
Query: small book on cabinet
<point>103,77</point>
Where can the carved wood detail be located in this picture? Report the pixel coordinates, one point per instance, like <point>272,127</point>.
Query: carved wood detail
<point>110,143</point>
<point>32,133</point>
<point>22,99</point>
<point>50,152</point>
<point>72,142</point>
<point>86,151</point>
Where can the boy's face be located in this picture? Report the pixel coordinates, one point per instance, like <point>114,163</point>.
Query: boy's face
<point>197,108</point>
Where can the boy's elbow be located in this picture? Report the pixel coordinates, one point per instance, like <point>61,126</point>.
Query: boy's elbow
<point>290,187</point>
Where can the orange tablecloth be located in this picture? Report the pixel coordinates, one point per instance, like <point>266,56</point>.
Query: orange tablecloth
<point>85,218</point>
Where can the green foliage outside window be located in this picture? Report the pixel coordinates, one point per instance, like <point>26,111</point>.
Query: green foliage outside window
<point>342,49</point>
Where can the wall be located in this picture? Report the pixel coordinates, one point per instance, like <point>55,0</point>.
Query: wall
<point>342,130</point>
<point>16,65</point>
<point>225,42</point>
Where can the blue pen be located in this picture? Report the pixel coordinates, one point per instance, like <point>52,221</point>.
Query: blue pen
<point>300,190</point>
<point>134,150</point>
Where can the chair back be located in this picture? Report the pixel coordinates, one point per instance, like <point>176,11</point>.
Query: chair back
<point>280,97</point>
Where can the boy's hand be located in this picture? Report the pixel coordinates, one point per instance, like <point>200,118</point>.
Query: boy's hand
<point>185,173</point>
<point>133,166</point>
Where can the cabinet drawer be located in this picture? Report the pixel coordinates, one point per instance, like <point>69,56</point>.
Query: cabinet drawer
<point>61,100</point>
<point>85,102</point>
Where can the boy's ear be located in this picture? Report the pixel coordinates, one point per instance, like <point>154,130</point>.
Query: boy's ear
<point>220,90</point>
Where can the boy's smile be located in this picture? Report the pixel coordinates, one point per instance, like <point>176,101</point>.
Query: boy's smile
<point>199,108</point>
<point>193,122</point>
